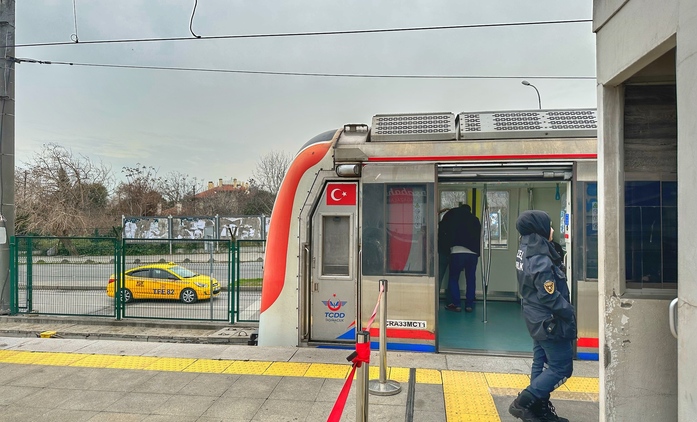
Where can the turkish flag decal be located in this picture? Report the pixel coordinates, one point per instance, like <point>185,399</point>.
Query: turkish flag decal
<point>341,194</point>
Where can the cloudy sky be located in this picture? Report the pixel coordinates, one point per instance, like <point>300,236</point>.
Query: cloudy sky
<point>213,125</point>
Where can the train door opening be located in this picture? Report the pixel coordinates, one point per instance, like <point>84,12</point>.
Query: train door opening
<point>496,324</point>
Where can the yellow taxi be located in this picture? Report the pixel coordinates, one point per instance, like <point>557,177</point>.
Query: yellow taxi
<point>164,281</point>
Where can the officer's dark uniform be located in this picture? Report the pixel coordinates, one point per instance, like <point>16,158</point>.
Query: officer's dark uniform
<point>549,316</point>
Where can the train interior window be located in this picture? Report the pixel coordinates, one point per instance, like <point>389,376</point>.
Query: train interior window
<point>451,199</point>
<point>406,225</point>
<point>336,235</point>
<point>590,220</point>
<point>651,234</point>
<point>496,229</point>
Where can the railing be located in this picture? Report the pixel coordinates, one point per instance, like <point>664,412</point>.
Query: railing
<point>105,277</point>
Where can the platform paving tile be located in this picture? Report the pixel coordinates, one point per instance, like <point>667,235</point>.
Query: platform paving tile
<point>320,410</point>
<point>414,360</point>
<point>252,386</point>
<point>197,351</point>
<point>331,388</point>
<point>274,354</point>
<point>9,394</point>
<point>473,363</point>
<point>173,382</point>
<point>143,403</point>
<point>20,413</point>
<point>231,409</point>
<point>429,416</point>
<point>214,385</point>
<point>100,379</point>
<point>185,405</point>
<point>428,398</point>
<point>282,410</point>
<point>115,347</point>
<point>42,376</point>
<point>295,388</point>
<point>45,398</point>
<point>117,417</point>
<point>9,372</point>
<point>178,418</point>
<point>312,355</point>
<point>89,400</point>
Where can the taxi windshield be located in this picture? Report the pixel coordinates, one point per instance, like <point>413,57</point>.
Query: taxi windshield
<point>182,272</point>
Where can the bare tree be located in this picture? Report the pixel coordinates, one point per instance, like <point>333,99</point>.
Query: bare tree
<point>257,201</point>
<point>271,169</point>
<point>138,195</point>
<point>177,186</point>
<point>61,194</point>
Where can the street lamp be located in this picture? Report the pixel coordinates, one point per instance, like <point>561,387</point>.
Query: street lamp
<point>539,102</point>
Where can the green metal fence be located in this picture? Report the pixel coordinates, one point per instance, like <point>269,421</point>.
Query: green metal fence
<point>137,278</point>
<point>249,275</point>
<point>62,275</point>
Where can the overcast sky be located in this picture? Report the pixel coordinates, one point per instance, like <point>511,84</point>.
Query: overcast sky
<point>218,125</point>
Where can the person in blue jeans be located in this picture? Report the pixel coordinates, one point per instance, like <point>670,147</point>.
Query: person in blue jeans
<point>462,234</point>
<point>549,316</point>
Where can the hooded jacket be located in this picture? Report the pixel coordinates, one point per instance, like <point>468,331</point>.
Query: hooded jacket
<point>548,312</point>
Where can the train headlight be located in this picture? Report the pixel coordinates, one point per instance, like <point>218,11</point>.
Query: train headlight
<point>348,170</point>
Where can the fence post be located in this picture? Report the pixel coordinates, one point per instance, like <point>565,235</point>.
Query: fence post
<point>383,386</point>
<point>14,277</point>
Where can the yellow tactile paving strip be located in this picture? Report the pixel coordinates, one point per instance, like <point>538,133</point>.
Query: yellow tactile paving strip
<point>468,395</point>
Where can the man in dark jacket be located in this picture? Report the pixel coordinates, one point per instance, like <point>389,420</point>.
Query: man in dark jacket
<point>549,316</point>
<point>462,231</point>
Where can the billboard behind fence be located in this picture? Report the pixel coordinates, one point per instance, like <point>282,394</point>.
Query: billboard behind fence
<point>246,227</point>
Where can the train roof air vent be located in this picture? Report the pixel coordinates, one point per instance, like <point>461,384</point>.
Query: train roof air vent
<point>578,123</point>
<point>413,127</point>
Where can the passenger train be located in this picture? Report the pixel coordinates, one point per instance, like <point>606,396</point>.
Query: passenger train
<point>363,203</point>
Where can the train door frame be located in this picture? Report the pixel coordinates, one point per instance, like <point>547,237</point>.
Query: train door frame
<point>564,230</point>
<point>333,295</point>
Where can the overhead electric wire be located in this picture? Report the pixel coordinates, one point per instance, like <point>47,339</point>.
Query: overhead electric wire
<point>305,34</point>
<point>322,74</point>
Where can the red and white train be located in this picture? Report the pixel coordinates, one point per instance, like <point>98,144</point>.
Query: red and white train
<point>360,204</point>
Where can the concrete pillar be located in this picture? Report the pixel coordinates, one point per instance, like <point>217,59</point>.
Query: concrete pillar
<point>686,69</point>
<point>611,242</point>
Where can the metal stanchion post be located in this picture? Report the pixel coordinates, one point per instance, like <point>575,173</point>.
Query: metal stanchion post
<point>383,386</point>
<point>362,383</point>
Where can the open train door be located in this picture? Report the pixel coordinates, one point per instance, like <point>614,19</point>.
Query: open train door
<point>333,261</point>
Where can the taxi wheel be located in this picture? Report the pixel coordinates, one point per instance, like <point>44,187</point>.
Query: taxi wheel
<point>188,295</point>
<point>126,296</point>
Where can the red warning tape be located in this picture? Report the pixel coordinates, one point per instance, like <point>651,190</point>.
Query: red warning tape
<point>362,354</point>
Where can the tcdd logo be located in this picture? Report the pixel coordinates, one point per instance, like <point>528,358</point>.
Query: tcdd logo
<point>334,306</point>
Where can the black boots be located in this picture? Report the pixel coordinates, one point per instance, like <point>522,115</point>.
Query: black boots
<point>544,410</point>
<point>531,409</point>
<point>521,407</point>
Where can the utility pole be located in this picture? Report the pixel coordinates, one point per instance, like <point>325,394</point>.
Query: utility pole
<point>7,147</point>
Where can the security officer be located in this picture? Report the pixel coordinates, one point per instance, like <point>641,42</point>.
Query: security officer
<point>549,316</point>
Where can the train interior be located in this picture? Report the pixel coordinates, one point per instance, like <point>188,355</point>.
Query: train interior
<point>496,325</point>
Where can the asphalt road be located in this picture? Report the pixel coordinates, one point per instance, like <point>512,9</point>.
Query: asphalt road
<point>80,289</point>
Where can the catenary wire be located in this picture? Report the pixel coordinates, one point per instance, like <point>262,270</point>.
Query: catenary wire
<point>307,34</point>
<point>331,75</point>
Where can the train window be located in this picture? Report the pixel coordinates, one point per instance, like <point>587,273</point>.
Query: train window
<point>496,231</point>
<point>651,234</point>
<point>336,235</point>
<point>406,226</point>
<point>590,234</point>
